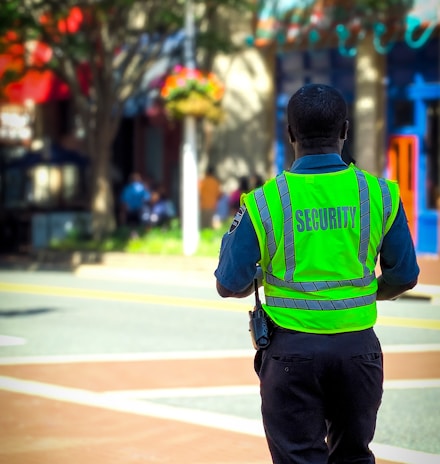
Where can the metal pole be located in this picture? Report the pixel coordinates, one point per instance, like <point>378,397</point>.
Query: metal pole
<point>189,179</point>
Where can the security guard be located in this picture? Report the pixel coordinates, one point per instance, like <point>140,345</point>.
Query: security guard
<point>317,232</point>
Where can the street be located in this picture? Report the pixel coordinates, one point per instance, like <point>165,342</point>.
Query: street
<point>102,369</point>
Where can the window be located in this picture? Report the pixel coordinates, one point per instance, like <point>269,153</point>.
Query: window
<point>403,113</point>
<point>432,155</point>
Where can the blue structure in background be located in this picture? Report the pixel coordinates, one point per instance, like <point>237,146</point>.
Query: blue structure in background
<point>413,108</point>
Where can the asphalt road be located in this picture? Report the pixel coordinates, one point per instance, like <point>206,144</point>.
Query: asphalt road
<point>173,352</point>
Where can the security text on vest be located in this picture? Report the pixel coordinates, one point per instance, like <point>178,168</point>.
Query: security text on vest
<point>310,219</point>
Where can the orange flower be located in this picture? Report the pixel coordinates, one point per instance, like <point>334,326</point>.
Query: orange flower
<point>182,81</point>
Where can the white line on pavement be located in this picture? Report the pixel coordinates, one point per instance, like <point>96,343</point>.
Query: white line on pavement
<point>168,355</point>
<point>232,390</point>
<point>190,416</point>
<point>116,357</point>
<point>142,408</point>
<point>196,392</point>
<point>403,455</point>
<point>411,348</point>
<point>8,340</point>
<point>413,383</point>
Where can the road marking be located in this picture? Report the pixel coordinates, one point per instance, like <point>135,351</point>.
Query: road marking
<point>234,390</point>
<point>189,416</point>
<point>413,383</point>
<point>123,296</point>
<point>409,322</point>
<point>179,301</point>
<point>403,455</point>
<point>8,340</point>
<point>142,408</point>
<point>177,355</point>
<point>423,348</point>
<point>193,392</point>
<point>120,357</point>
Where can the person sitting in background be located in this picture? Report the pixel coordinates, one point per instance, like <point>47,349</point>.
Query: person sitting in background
<point>222,212</point>
<point>162,208</point>
<point>133,197</point>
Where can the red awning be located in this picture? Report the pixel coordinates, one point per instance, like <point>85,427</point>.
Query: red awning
<point>39,85</point>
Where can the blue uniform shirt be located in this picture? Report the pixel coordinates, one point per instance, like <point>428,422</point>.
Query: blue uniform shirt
<point>135,195</point>
<point>240,251</point>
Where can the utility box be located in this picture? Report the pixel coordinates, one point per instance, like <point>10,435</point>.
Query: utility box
<point>49,227</point>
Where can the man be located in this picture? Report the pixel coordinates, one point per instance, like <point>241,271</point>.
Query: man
<point>134,197</point>
<point>317,231</point>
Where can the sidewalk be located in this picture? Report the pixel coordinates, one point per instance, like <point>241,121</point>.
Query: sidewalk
<point>178,270</point>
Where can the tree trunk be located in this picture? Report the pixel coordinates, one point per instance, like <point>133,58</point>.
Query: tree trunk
<point>102,201</point>
<point>370,107</point>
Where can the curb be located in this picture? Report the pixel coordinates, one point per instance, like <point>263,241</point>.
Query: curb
<point>179,277</point>
<point>424,292</point>
<point>162,269</point>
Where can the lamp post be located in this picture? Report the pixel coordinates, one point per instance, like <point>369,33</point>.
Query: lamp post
<point>189,172</point>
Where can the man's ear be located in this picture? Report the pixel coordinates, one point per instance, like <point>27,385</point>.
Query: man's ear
<point>291,137</point>
<point>344,131</point>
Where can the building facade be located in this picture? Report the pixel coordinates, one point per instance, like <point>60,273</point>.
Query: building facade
<point>411,151</point>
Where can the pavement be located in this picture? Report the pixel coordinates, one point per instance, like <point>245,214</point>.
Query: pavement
<point>175,268</point>
<point>138,404</point>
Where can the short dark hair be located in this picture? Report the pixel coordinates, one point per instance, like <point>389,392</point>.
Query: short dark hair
<point>316,112</point>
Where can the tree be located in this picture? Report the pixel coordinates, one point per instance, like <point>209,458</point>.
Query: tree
<point>118,41</point>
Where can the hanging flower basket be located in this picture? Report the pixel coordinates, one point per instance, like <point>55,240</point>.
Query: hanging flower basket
<point>189,92</point>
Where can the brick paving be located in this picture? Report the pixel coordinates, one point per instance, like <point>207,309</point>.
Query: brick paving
<point>38,430</point>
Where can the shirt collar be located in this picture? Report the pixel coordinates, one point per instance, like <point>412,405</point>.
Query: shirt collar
<point>324,163</point>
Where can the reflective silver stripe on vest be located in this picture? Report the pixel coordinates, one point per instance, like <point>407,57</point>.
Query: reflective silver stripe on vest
<point>365,215</point>
<point>319,285</point>
<point>263,209</point>
<point>289,248</point>
<point>295,303</point>
<point>387,207</point>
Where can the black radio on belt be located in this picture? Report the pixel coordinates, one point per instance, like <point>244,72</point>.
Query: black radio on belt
<point>259,324</point>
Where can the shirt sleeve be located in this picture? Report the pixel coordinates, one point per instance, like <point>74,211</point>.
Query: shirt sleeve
<point>239,254</point>
<point>398,260</point>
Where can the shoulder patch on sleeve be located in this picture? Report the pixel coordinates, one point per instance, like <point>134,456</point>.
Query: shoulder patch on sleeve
<point>237,219</point>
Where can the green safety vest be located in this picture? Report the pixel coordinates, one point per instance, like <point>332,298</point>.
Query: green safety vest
<point>319,238</point>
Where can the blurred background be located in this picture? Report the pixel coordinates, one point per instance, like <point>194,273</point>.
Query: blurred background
<point>119,119</point>
<point>128,131</point>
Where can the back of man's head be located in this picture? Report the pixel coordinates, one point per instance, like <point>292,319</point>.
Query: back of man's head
<point>316,112</point>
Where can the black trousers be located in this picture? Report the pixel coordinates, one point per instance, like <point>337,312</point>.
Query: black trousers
<point>320,395</point>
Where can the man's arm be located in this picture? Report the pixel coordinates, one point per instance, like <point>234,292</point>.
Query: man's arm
<point>239,254</point>
<point>398,260</point>
<point>390,292</point>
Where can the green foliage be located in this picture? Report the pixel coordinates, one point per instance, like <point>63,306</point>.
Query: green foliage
<point>158,241</point>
